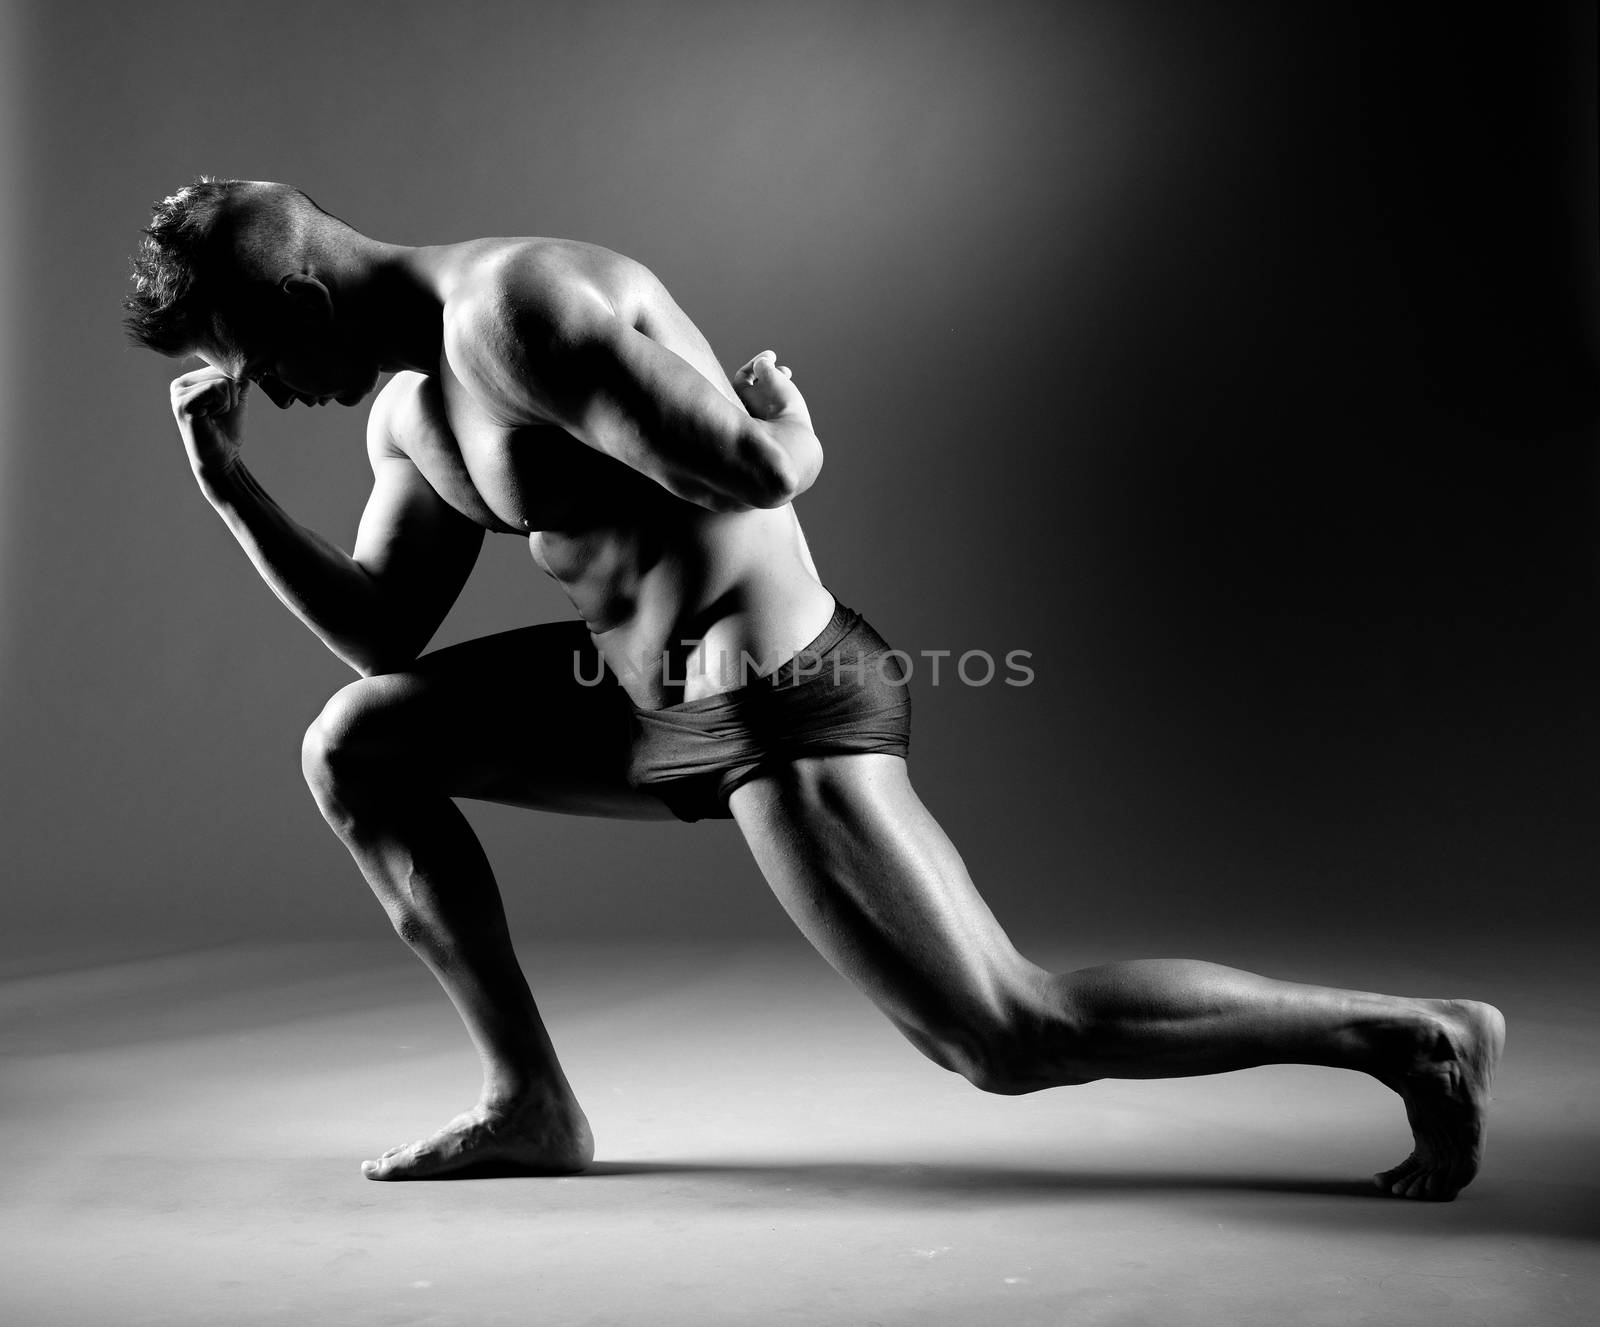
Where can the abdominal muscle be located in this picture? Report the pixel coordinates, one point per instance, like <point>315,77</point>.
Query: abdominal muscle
<point>681,609</point>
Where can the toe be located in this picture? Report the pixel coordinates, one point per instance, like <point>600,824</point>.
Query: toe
<point>395,1164</point>
<point>1444,1185</point>
<point>1394,1178</point>
<point>425,1161</point>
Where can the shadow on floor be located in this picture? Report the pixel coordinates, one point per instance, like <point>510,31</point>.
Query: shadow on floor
<point>1493,1206</point>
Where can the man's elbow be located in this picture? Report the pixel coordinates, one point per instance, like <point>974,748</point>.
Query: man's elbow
<point>392,648</point>
<point>377,665</point>
<point>776,484</point>
<point>776,475</point>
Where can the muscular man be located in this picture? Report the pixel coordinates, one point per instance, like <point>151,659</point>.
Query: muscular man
<point>554,391</point>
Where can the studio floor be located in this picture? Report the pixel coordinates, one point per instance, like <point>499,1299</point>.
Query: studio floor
<point>183,1131</point>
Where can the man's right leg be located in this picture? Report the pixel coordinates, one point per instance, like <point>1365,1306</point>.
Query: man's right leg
<point>876,885</point>
<point>503,719</point>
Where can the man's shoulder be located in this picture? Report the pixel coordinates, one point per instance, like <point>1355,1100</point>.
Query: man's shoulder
<point>536,281</point>
<point>409,401</point>
<point>515,308</point>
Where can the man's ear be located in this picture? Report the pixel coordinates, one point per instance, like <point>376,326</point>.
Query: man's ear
<point>309,300</point>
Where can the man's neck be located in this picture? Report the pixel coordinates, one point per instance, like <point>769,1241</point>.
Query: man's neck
<point>397,297</point>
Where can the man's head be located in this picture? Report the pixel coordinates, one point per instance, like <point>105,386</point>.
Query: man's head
<point>254,278</point>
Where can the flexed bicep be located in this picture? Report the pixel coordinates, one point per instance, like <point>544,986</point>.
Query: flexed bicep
<point>416,548</point>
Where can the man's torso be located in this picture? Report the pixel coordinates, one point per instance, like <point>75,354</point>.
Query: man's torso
<point>645,570</point>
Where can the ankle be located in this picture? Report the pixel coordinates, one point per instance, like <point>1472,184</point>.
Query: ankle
<point>1404,1042</point>
<point>524,1096</point>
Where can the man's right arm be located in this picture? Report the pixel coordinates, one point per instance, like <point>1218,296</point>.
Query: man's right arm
<point>376,608</point>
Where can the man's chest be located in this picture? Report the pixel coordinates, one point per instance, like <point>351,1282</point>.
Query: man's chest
<point>510,480</point>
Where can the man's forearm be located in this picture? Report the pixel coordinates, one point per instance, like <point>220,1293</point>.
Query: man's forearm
<point>319,582</point>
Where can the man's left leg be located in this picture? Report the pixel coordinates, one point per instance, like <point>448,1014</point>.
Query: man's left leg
<point>875,884</point>
<point>504,719</point>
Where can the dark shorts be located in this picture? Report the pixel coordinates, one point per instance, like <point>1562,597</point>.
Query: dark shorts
<point>844,692</point>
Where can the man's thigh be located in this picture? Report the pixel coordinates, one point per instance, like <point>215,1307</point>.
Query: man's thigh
<point>875,884</point>
<point>526,717</point>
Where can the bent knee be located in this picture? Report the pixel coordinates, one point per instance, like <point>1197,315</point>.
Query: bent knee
<point>1010,1055</point>
<point>358,723</point>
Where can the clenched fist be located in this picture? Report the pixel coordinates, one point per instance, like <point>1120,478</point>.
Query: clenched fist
<point>767,392</point>
<point>209,408</point>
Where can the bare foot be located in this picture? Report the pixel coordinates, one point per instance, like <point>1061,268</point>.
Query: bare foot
<point>1446,1091</point>
<point>501,1140</point>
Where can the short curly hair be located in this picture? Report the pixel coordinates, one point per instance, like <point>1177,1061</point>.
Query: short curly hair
<point>171,305</point>
<point>188,279</point>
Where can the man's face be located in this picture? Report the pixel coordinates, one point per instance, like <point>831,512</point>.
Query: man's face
<point>309,364</point>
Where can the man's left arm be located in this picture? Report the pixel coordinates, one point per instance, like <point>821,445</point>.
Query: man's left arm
<point>630,397</point>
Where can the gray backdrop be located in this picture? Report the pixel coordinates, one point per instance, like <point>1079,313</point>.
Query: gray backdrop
<point>1236,360</point>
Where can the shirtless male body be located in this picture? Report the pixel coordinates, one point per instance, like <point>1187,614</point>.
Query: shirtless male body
<point>554,391</point>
